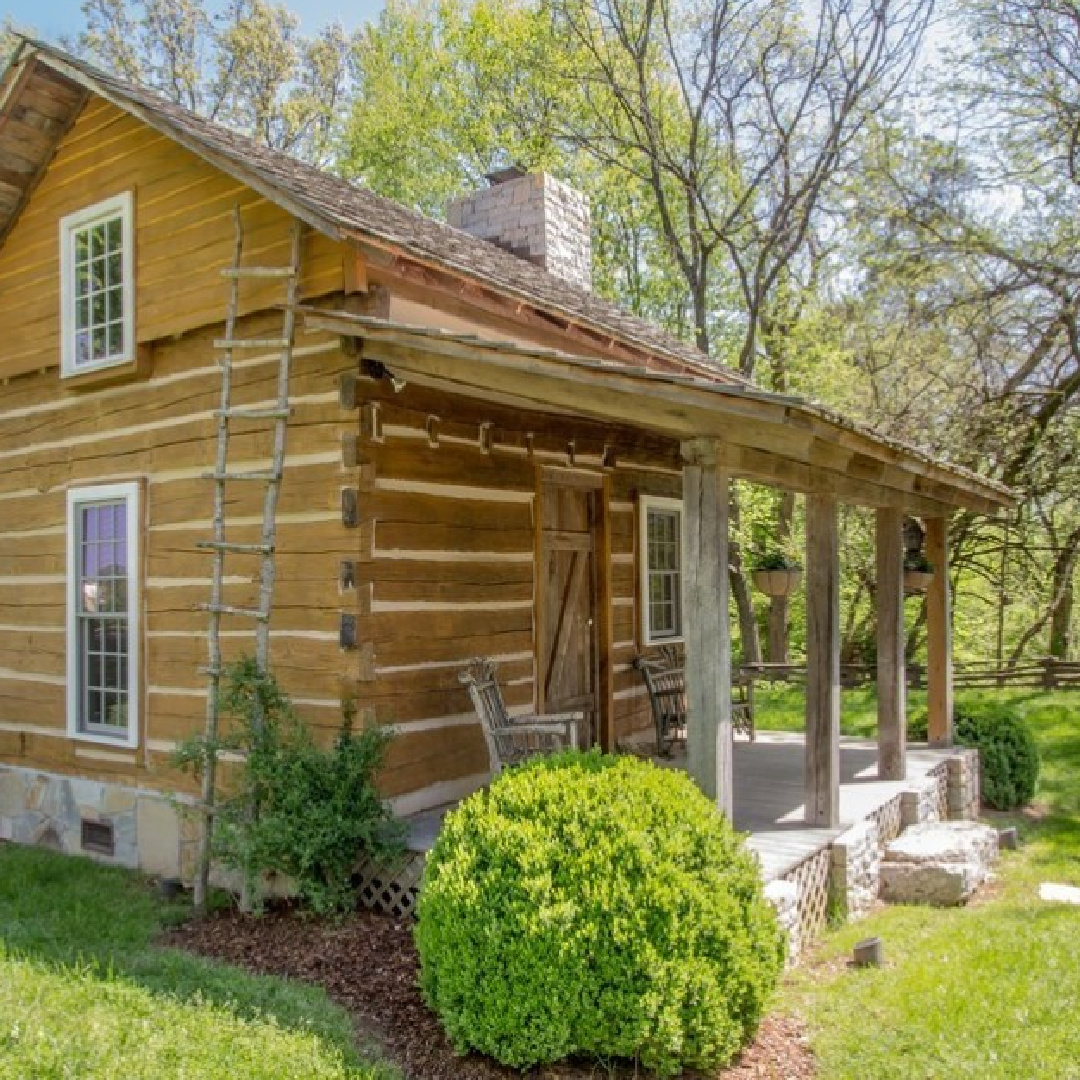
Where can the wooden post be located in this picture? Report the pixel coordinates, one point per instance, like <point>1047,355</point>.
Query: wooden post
<point>939,664</point>
<point>709,743</point>
<point>822,661</point>
<point>891,683</point>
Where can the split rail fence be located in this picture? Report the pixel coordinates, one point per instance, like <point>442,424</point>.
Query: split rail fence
<point>1047,673</point>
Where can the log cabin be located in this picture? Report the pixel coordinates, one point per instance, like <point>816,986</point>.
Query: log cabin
<point>480,458</point>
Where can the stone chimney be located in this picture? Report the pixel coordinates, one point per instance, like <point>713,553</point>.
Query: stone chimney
<point>534,216</point>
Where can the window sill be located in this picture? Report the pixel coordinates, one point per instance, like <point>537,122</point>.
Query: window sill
<point>114,374</point>
<point>117,742</point>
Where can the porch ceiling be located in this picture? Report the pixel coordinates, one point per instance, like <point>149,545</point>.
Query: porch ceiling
<point>774,439</point>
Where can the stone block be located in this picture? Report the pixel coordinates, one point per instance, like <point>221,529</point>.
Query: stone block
<point>157,827</point>
<point>12,793</point>
<point>938,863</point>
<point>784,897</point>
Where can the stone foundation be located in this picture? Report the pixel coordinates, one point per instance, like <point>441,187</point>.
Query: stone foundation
<point>856,867</point>
<point>963,785</point>
<point>149,830</point>
<point>784,897</point>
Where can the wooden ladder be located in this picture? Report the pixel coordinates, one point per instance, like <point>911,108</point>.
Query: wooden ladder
<point>220,546</point>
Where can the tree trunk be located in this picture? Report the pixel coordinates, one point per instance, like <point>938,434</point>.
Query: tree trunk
<point>780,606</point>
<point>1061,613</point>
<point>740,590</point>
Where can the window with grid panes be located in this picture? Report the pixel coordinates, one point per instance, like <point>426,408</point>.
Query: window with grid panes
<point>96,287</point>
<point>662,565</point>
<point>102,644</point>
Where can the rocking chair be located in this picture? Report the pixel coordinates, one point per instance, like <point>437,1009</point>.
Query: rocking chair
<point>513,739</point>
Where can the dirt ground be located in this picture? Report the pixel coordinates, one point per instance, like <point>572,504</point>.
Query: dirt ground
<point>368,964</point>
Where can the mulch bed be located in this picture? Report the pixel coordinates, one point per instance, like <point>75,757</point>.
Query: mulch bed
<point>368,964</point>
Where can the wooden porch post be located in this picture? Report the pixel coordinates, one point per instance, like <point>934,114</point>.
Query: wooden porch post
<point>939,662</point>
<point>822,661</point>
<point>709,746</point>
<point>891,683</point>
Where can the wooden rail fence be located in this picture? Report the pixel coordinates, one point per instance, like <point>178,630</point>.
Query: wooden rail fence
<point>1046,673</point>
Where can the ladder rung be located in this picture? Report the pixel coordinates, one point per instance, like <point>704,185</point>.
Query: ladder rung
<point>254,414</point>
<point>213,672</point>
<point>240,549</point>
<point>251,343</point>
<point>268,476</point>
<point>259,272</point>
<point>228,609</point>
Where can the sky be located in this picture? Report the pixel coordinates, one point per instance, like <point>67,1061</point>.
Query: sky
<point>52,18</point>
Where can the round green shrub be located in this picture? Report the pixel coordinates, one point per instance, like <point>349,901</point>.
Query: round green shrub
<point>1008,753</point>
<point>596,906</point>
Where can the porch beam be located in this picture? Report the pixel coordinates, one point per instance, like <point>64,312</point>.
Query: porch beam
<point>939,660</point>
<point>822,661</point>
<point>891,683</point>
<point>709,740</point>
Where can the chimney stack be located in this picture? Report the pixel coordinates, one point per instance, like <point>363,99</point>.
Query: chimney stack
<point>533,216</point>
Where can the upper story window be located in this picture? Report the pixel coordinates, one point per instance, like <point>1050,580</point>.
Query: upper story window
<point>97,294</point>
<point>661,569</point>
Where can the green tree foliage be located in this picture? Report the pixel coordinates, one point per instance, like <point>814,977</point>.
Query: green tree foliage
<point>246,65</point>
<point>596,906</point>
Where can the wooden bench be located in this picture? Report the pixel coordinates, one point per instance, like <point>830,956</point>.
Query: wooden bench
<point>665,680</point>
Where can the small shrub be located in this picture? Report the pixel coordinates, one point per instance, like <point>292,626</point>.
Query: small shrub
<point>918,729</point>
<point>596,906</point>
<point>1008,753</point>
<point>296,808</point>
<point>776,560</point>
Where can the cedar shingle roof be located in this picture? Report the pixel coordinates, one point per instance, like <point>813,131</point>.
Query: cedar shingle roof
<point>341,209</point>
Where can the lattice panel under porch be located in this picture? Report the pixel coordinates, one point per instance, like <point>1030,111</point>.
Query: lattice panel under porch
<point>889,821</point>
<point>392,888</point>
<point>811,878</point>
<point>941,796</point>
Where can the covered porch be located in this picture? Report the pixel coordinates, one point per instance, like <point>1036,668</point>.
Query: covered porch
<point>768,796</point>
<point>722,429</point>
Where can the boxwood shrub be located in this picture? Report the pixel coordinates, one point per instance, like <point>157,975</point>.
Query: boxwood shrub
<point>1008,753</point>
<point>596,906</point>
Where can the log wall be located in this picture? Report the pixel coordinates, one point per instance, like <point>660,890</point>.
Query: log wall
<point>446,571</point>
<point>406,523</point>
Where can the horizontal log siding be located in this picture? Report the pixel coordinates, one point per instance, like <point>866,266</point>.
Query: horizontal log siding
<point>161,430</point>
<point>448,532</point>
<point>184,236</point>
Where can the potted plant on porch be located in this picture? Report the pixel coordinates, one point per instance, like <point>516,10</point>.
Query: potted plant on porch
<point>918,572</point>
<point>777,574</point>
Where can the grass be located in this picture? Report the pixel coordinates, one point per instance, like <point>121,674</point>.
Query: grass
<point>85,993</point>
<point>781,707</point>
<point>989,991</point>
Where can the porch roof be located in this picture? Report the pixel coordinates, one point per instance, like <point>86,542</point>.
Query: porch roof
<point>776,439</point>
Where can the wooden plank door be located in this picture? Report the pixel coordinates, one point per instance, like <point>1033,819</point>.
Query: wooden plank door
<point>567,597</point>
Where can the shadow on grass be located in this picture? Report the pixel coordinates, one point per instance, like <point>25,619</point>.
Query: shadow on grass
<point>74,914</point>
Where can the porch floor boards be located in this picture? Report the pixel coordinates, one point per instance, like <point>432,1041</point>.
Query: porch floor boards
<point>769,796</point>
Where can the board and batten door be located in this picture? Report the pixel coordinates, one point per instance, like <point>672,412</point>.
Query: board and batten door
<point>570,595</point>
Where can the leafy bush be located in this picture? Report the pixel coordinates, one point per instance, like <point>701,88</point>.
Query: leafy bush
<point>776,560</point>
<point>296,808</point>
<point>918,562</point>
<point>1008,753</point>
<point>599,906</point>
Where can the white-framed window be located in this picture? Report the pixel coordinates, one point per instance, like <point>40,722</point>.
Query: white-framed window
<point>103,613</point>
<point>661,561</point>
<point>97,287</point>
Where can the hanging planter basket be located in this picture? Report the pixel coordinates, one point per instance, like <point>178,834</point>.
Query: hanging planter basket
<point>917,581</point>
<point>778,582</point>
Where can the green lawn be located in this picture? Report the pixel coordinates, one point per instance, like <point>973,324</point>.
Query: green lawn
<point>780,707</point>
<point>989,991</point>
<point>85,994</point>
